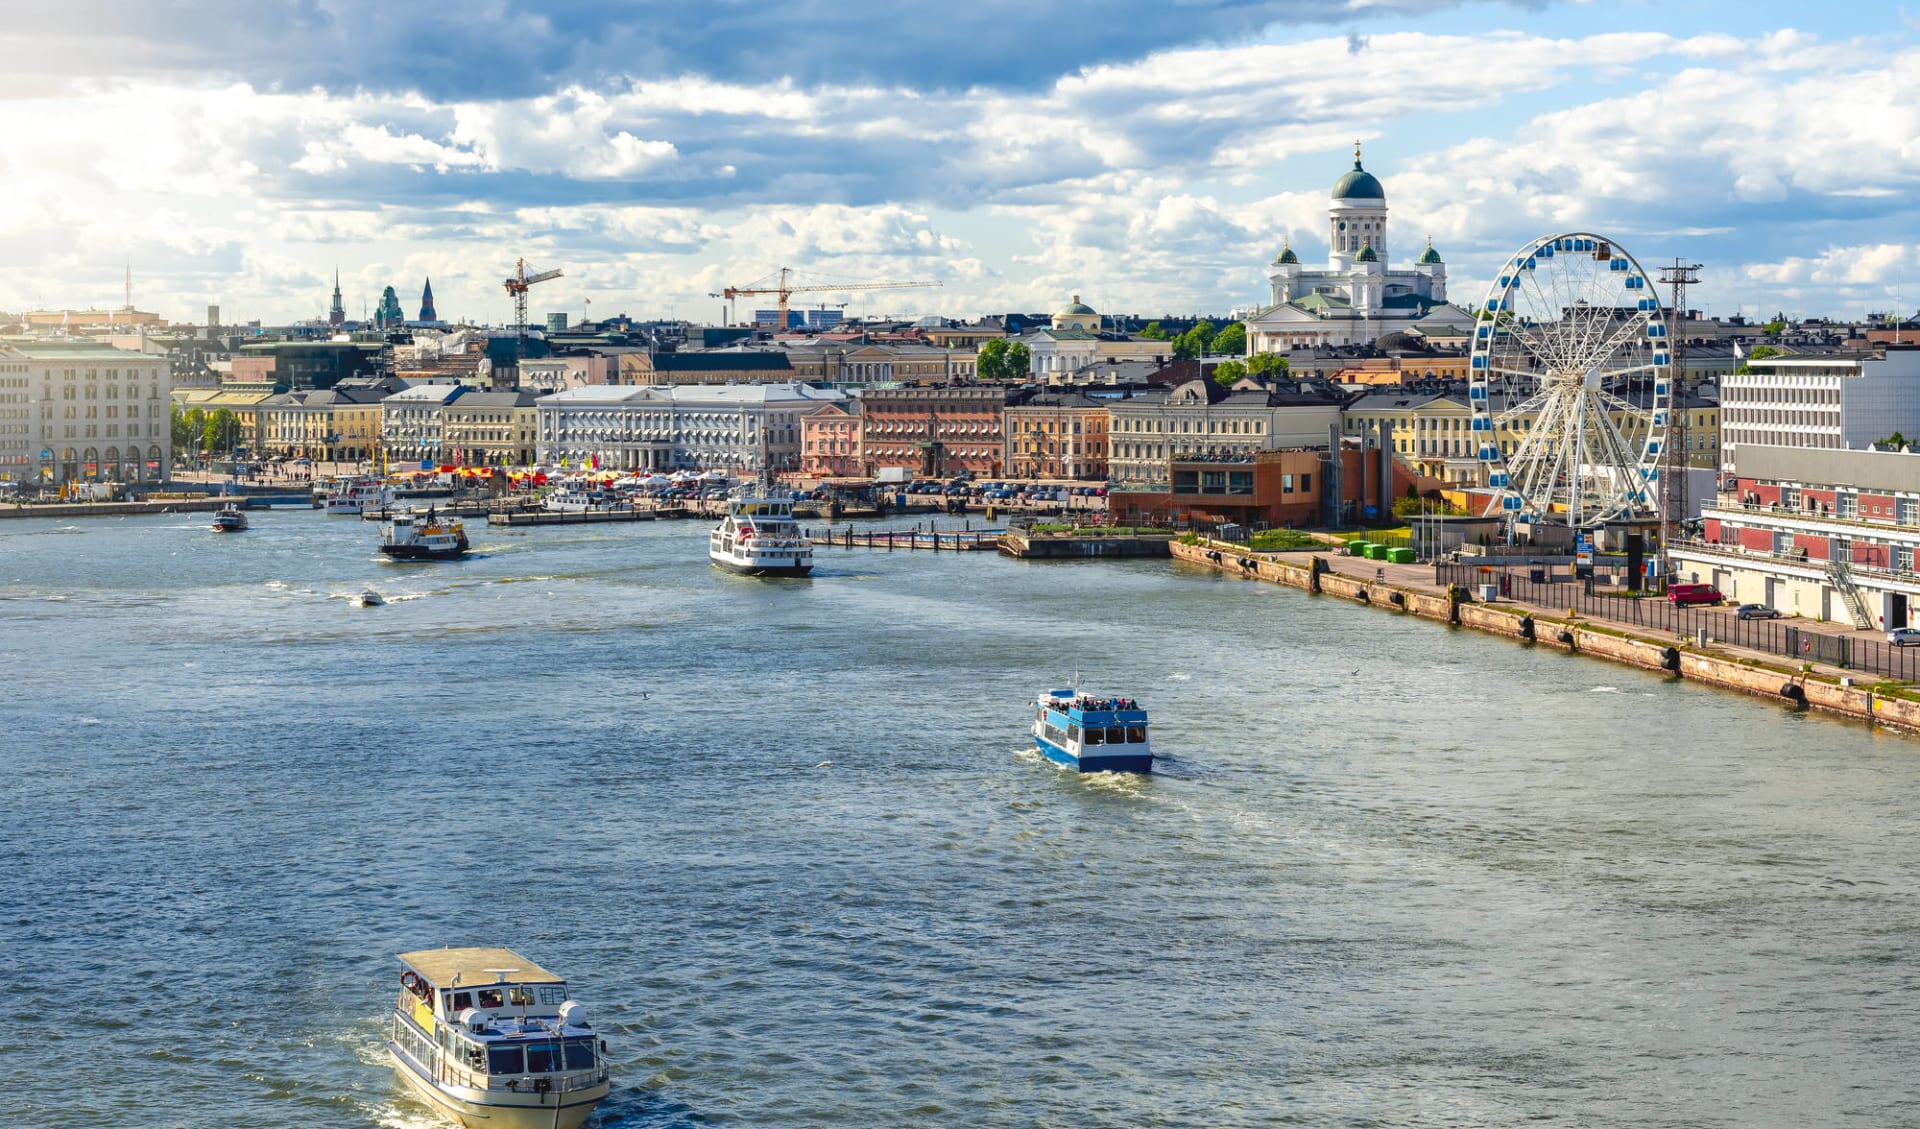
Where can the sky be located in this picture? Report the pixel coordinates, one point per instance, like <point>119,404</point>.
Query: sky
<point>1150,157</point>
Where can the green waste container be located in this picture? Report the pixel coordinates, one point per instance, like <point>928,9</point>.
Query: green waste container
<point>1358,548</point>
<point>1400,556</point>
<point>1376,552</point>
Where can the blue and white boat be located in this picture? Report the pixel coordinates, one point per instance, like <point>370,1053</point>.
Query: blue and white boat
<point>1092,734</point>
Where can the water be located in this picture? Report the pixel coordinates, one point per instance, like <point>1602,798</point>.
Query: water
<point>789,843</point>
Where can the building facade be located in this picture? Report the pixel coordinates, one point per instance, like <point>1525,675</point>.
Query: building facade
<point>830,442</point>
<point>413,423</point>
<point>491,429</point>
<point>713,366</point>
<point>738,428</point>
<point>1060,435</point>
<point>79,411</point>
<point>847,366</point>
<point>342,423</point>
<point>1823,401</point>
<point>1147,432</point>
<point>934,432</point>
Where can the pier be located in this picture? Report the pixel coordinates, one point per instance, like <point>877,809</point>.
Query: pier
<point>931,540</point>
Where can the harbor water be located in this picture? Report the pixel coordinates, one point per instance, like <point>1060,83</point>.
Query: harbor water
<point>791,845</point>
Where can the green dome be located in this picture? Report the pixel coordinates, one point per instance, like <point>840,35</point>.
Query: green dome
<point>1358,185</point>
<point>1287,256</point>
<point>1076,309</point>
<point>1366,254</point>
<point>1430,257</point>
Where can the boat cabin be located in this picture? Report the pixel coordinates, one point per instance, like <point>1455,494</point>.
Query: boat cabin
<point>488,1018</point>
<point>1086,721</point>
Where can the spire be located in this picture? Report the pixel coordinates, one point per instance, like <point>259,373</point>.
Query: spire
<point>337,313</point>
<point>1356,152</point>
<point>426,303</point>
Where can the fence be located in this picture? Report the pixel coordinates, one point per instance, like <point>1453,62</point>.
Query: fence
<point>1771,636</point>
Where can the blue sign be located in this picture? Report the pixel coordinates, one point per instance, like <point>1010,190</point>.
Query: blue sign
<point>426,464</point>
<point>46,455</point>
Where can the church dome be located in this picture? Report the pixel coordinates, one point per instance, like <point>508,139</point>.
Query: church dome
<point>1366,254</point>
<point>1286,257</point>
<point>1075,309</point>
<point>1430,257</point>
<point>1358,184</point>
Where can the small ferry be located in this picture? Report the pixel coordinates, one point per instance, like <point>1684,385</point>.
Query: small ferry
<point>423,537</point>
<point>230,519</point>
<point>1092,734</point>
<point>577,500</point>
<point>352,496</point>
<point>759,537</point>
<point>489,1038</point>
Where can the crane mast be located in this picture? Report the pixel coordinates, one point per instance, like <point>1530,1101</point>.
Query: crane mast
<point>786,290</point>
<point>518,283</point>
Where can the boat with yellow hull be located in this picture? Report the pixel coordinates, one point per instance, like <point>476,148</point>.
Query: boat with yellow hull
<point>490,1039</point>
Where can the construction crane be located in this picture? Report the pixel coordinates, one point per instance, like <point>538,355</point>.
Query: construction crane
<point>517,285</point>
<point>786,290</point>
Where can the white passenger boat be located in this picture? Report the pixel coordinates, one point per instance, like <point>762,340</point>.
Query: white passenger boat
<point>1091,733</point>
<point>230,519</point>
<point>759,537</point>
<point>489,1038</point>
<point>423,537</point>
<point>580,499</point>
<point>352,496</point>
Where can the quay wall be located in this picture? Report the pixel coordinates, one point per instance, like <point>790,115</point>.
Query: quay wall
<point>1016,543</point>
<point>195,504</point>
<point>1572,636</point>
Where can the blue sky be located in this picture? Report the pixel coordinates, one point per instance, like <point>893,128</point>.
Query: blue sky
<point>1151,157</point>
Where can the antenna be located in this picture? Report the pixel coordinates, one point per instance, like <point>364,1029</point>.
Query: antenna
<point>1673,502</point>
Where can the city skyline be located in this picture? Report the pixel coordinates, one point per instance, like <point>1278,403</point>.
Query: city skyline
<point>1151,161</point>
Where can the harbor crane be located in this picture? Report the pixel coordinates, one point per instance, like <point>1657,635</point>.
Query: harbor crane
<point>517,285</point>
<point>786,290</point>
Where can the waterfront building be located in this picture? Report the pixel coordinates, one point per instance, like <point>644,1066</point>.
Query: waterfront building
<point>289,366</point>
<point>413,423</point>
<point>1060,434</point>
<point>491,429</point>
<point>1073,341</point>
<point>830,442</point>
<point>710,366</point>
<point>678,427</point>
<point>1821,401</point>
<point>1150,429</point>
<point>1359,296</point>
<point>74,411</point>
<point>342,423</point>
<point>1271,488</point>
<point>1827,533</point>
<point>935,432</point>
<point>243,402</point>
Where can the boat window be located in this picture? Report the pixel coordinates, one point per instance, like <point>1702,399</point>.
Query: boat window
<point>1073,733</point>
<point>462,1001</point>
<point>505,1060</point>
<point>491,997</point>
<point>542,1058</point>
<point>1136,734</point>
<point>1096,736</point>
<point>554,996</point>
<point>579,1054</point>
<point>1116,735</point>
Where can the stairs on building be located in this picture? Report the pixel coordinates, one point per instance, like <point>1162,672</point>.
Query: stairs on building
<point>1842,577</point>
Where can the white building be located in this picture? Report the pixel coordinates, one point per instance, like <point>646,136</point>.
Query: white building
<point>665,427</point>
<point>73,411</point>
<point>413,422</point>
<point>1359,296</point>
<point>1825,401</point>
<point>1147,430</point>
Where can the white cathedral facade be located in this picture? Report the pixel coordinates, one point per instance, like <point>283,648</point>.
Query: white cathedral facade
<point>1359,297</point>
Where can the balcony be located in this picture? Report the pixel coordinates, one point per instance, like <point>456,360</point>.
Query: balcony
<point>1795,559</point>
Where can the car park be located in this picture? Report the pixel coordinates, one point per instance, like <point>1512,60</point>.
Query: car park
<point>1756,611</point>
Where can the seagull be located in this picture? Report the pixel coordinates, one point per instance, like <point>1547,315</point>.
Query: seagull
<point>823,764</point>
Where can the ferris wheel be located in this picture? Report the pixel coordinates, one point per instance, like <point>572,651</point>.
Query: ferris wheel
<point>1571,384</point>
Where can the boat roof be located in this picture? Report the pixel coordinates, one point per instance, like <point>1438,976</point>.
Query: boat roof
<point>440,966</point>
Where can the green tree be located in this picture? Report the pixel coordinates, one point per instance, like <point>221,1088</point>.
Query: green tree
<point>1153,332</point>
<point>1205,331</point>
<point>1019,361</point>
<point>1895,441</point>
<point>1758,352</point>
<point>182,429</point>
<point>196,436</point>
<point>1232,340</point>
<point>991,363</point>
<point>1261,364</point>
<point>222,431</point>
<point>1775,327</point>
<point>1226,372</point>
<point>1187,346</point>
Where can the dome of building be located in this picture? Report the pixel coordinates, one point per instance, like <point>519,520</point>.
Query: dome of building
<point>1076,315</point>
<point>1074,308</point>
<point>1366,254</point>
<point>1429,257</point>
<point>1286,257</point>
<point>1358,184</point>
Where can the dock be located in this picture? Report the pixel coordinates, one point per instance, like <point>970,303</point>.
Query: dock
<point>570,517</point>
<point>930,540</point>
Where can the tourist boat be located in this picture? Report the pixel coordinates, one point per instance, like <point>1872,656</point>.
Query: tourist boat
<point>358,495</point>
<point>423,537</point>
<point>759,537</point>
<point>230,519</point>
<point>1092,734</point>
<point>579,499</point>
<point>488,1038</point>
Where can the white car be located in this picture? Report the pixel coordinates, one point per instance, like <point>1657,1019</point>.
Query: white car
<point>1904,636</point>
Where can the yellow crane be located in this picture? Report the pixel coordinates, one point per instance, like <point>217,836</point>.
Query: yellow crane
<point>786,290</point>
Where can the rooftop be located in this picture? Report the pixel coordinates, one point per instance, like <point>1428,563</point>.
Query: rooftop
<point>442,966</point>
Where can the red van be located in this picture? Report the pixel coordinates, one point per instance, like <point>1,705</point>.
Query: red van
<point>1687,594</point>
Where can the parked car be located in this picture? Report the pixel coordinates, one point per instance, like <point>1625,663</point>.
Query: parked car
<point>1904,636</point>
<point>1683,595</point>
<point>1756,611</point>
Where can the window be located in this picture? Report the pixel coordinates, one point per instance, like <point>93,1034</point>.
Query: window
<point>1096,736</point>
<point>491,998</point>
<point>461,1002</point>
<point>505,1060</point>
<point>542,1058</point>
<point>579,1054</point>
<point>1136,734</point>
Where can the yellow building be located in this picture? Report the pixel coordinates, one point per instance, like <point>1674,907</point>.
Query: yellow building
<point>327,425</point>
<point>245,406</point>
<point>490,428</point>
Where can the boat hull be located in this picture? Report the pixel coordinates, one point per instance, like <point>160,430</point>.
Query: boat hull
<point>1095,762</point>
<point>422,553</point>
<point>739,569</point>
<point>501,1110</point>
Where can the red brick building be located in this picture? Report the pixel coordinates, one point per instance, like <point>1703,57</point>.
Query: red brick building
<point>830,443</point>
<point>933,432</point>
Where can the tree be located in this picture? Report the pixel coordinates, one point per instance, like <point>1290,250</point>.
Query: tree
<point>196,436</point>
<point>1261,364</point>
<point>1758,352</point>
<point>1205,332</point>
<point>1775,327</point>
<point>1019,361</point>
<point>1231,340</point>
<point>1187,346</point>
<point>182,428</point>
<point>1895,441</point>
<point>991,363</point>
<point>1226,372</point>
<point>222,431</point>
<point>1153,332</point>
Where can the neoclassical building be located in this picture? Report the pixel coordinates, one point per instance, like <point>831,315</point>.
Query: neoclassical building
<point>1359,296</point>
